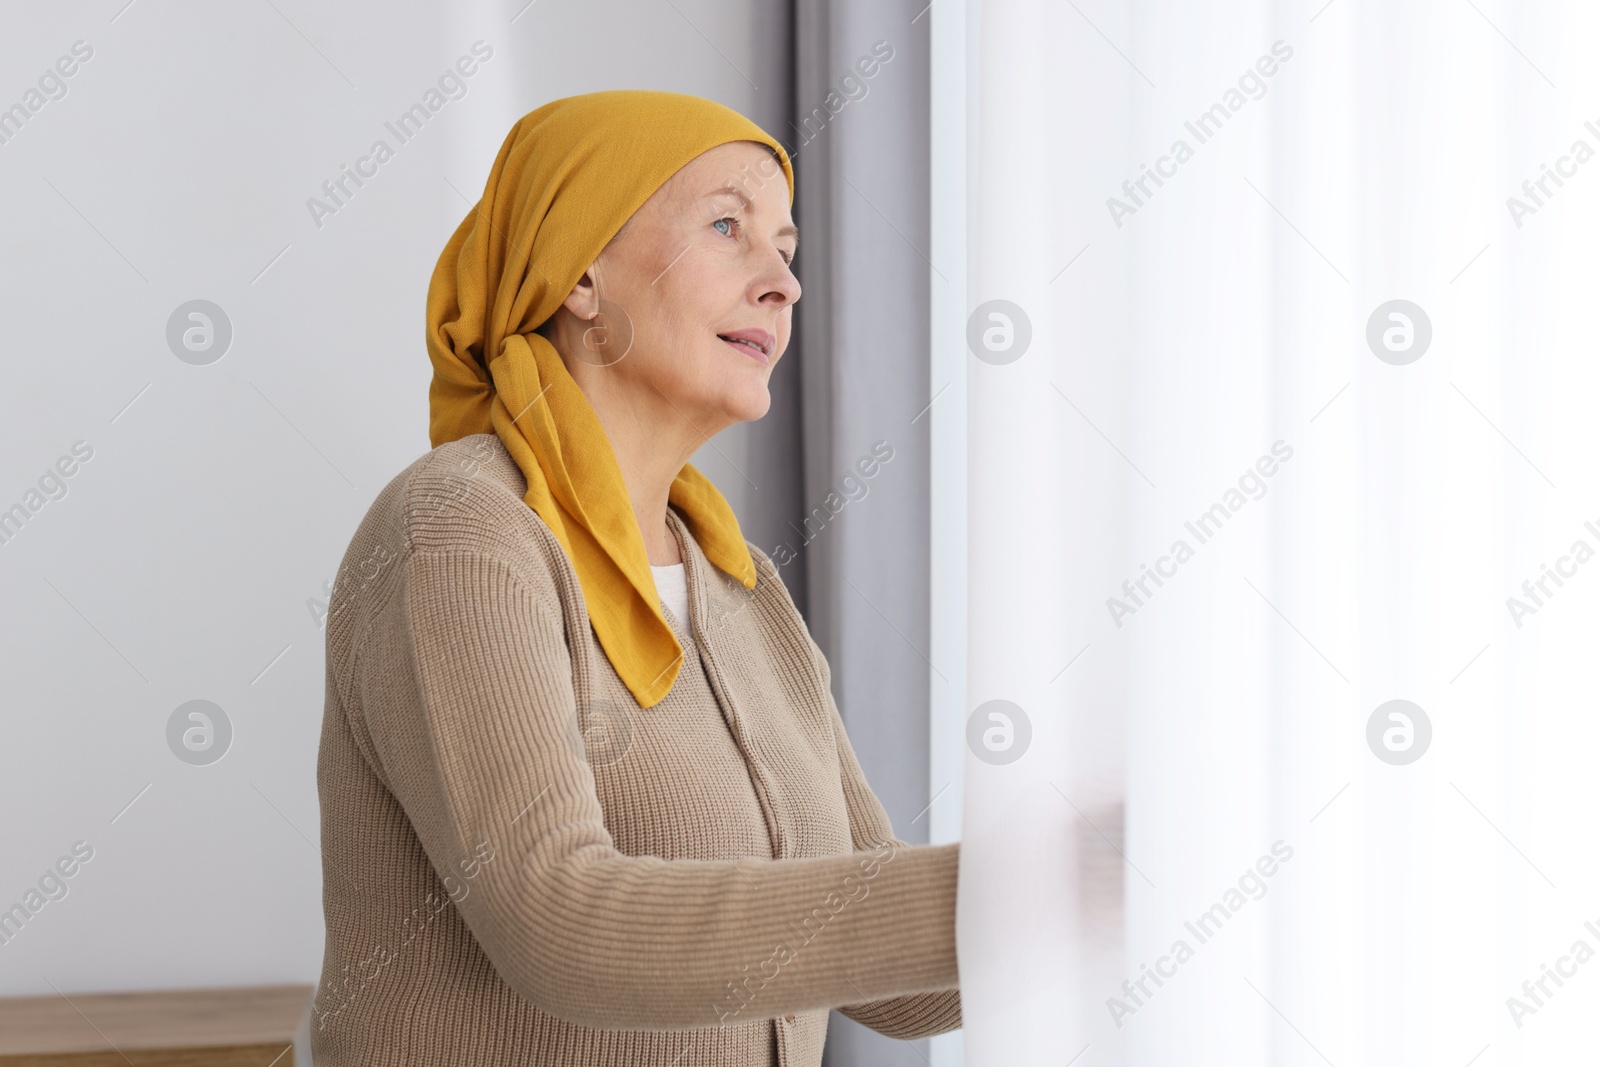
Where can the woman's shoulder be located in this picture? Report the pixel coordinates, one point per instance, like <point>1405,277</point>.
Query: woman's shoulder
<point>467,496</point>
<point>464,496</point>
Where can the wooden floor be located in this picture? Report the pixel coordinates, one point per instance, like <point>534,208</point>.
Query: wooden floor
<point>252,1026</point>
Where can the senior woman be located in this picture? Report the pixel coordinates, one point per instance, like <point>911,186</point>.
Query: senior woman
<point>586,797</point>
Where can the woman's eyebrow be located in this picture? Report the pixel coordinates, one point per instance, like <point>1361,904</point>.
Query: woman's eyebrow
<point>731,189</point>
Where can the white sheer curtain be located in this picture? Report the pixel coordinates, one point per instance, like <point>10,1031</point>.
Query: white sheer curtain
<point>1327,356</point>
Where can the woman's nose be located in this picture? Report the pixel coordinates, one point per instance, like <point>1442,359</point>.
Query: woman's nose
<point>781,287</point>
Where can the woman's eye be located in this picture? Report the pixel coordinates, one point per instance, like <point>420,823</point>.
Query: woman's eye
<point>733,225</point>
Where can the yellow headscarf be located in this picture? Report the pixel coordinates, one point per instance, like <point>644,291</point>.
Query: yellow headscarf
<point>567,177</point>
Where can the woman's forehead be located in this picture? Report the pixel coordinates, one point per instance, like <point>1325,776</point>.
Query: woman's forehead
<point>743,165</point>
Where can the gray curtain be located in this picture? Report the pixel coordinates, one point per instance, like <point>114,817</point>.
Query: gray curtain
<point>833,482</point>
<point>860,146</point>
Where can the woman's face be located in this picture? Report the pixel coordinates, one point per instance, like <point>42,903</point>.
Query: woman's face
<point>700,276</point>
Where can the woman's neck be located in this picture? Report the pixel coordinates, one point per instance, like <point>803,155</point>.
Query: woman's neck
<point>651,443</point>
<point>649,488</point>
<point>651,436</point>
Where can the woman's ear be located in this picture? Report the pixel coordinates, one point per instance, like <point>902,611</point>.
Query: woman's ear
<point>584,300</point>
<point>583,304</point>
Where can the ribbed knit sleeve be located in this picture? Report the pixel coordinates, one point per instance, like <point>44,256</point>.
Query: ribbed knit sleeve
<point>467,711</point>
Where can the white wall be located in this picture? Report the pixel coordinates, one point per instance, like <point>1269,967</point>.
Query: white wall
<point>219,498</point>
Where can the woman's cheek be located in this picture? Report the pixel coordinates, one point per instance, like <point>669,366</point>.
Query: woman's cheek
<point>785,322</point>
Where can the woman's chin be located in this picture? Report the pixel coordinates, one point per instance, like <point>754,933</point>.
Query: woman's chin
<point>749,403</point>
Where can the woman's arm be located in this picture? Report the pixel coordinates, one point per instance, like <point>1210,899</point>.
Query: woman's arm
<point>466,706</point>
<point>915,1015</point>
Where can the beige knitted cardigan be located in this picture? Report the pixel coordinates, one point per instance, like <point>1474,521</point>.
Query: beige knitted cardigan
<point>522,866</point>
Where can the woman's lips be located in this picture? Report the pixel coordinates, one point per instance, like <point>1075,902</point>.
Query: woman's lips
<point>753,343</point>
<point>754,353</point>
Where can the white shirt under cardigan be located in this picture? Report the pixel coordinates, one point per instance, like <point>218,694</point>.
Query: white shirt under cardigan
<point>673,586</point>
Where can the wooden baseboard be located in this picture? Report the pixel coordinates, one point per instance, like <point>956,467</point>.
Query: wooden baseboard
<point>249,1026</point>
